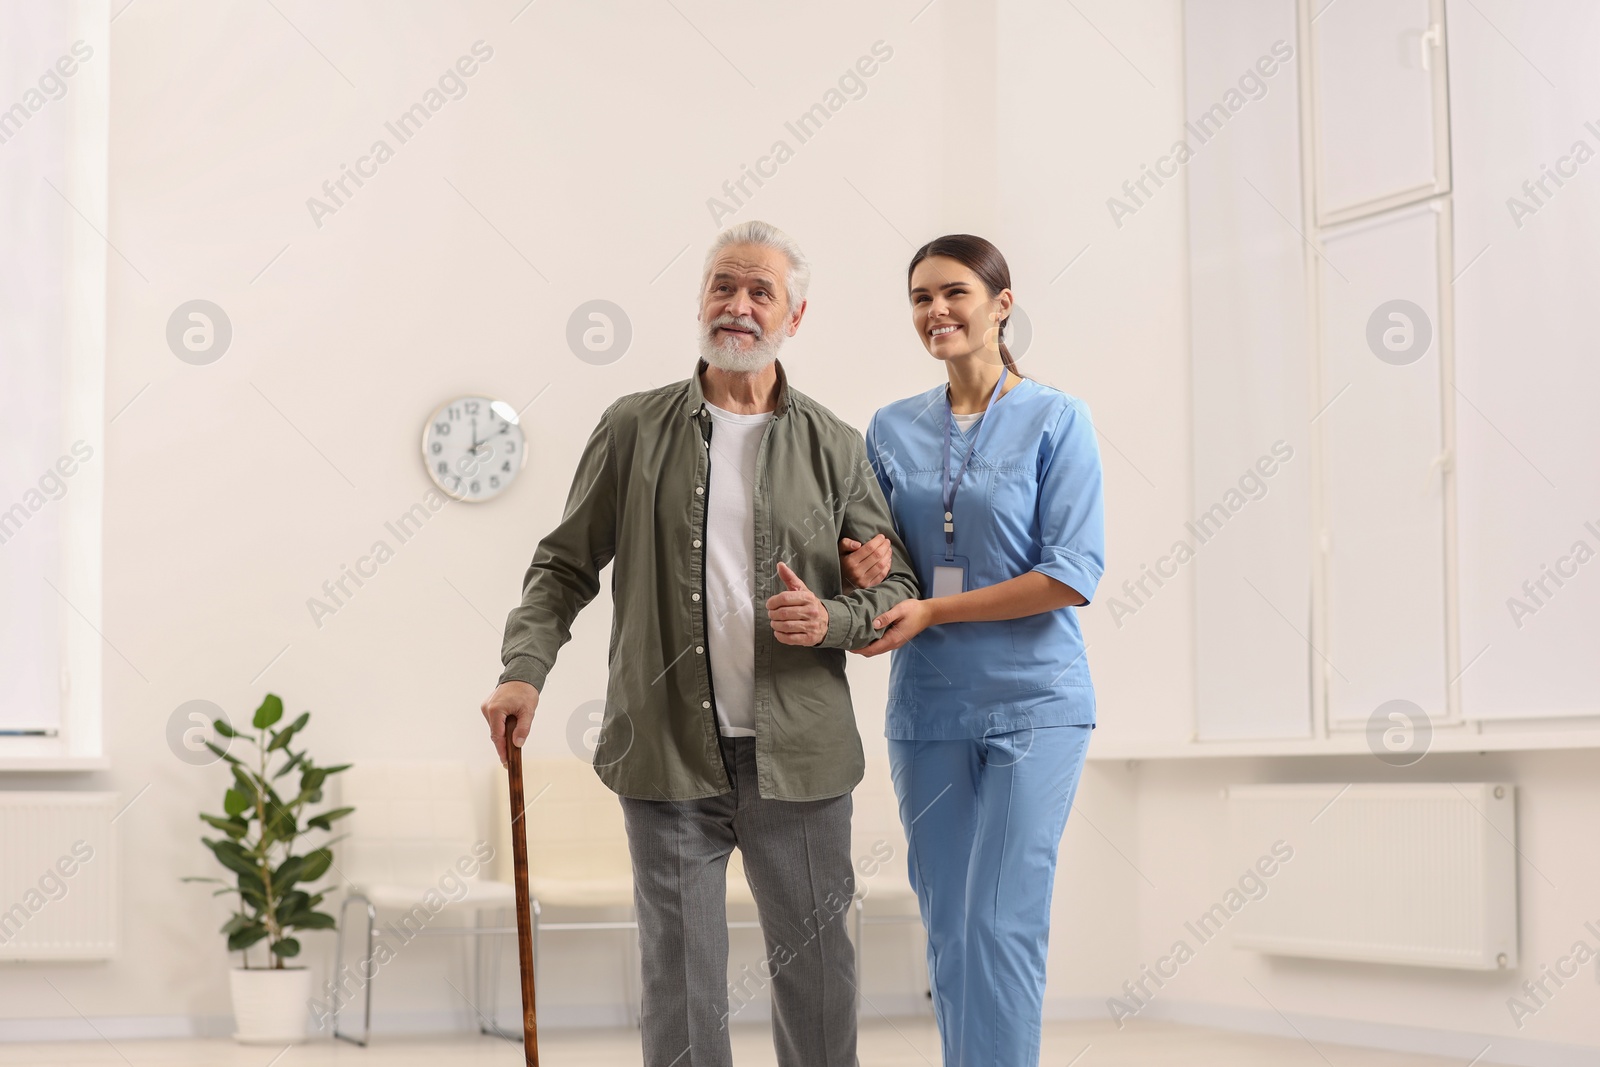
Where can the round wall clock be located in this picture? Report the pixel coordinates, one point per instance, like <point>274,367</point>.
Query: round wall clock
<point>473,448</point>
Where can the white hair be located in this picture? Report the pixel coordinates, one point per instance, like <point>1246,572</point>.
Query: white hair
<point>756,232</point>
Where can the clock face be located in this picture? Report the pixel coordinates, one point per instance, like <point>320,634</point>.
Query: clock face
<point>473,448</point>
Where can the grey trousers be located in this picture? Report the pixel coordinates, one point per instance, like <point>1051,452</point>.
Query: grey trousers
<point>797,858</point>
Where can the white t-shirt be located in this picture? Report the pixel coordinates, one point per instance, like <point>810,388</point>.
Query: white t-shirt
<point>963,437</point>
<point>966,422</point>
<point>730,567</point>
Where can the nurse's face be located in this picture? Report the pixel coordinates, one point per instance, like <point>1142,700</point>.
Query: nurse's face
<point>954,314</point>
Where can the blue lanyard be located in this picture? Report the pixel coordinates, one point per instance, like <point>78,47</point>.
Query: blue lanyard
<point>949,486</point>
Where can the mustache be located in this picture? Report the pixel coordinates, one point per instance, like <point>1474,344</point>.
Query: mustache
<point>743,322</point>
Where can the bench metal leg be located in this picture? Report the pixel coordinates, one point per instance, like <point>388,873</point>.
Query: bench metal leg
<point>366,972</point>
<point>489,1020</point>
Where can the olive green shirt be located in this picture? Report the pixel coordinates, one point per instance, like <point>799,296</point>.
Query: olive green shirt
<point>639,498</point>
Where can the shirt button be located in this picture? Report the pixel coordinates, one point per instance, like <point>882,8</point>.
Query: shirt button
<point>699,650</point>
<point>694,596</point>
<point>697,542</point>
<point>699,490</point>
<point>705,703</point>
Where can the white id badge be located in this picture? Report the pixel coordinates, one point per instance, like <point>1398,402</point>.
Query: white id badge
<point>949,575</point>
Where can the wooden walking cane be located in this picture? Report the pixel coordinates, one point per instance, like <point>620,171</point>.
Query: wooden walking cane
<point>519,860</point>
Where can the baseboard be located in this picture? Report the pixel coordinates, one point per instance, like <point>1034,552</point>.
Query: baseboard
<point>579,1017</point>
<point>1073,1009</point>
<point>171,1027</point>
<point>1507,1051</point>
<point>114,1028</point>
<point>1467,1047</point>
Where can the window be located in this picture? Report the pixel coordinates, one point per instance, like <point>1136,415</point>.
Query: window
<point>53,117</point>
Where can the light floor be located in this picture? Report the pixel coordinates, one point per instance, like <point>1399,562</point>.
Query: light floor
<point>901,1043</point>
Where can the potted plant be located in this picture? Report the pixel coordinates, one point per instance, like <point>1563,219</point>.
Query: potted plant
<point>270,879</point>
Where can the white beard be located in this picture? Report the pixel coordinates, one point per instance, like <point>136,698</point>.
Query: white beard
<point>727,356</point>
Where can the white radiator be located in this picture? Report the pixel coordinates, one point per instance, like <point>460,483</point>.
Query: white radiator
<point>58,876</point>
<point>1419,874</point>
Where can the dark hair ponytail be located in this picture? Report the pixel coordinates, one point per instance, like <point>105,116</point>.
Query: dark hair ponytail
<point>983,259</point>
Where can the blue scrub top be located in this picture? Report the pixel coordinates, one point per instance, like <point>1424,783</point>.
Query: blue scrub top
<point>1031,500</point>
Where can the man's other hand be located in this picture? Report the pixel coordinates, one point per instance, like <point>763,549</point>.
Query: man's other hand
<point>509,710</point>
<point>798,617</point>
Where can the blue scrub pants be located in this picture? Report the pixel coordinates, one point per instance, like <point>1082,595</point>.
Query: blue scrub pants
<point>984,819</point>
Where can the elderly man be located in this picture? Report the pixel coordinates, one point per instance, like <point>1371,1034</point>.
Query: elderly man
<point>723,500</point>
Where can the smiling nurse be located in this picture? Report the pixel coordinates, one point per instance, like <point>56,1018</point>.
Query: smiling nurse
<point>995,486</point>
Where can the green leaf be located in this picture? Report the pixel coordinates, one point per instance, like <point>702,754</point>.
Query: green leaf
<point>235,802</point>
<point>324,820</point>
<point>296,900</point>
<point>250,880</point>
<point>270,711</point>
<point>281,823</point>
<point>232,856</point>
<point>221,752</point>
<point>316,864</point>
<point>222,727</point>
<point>310,920</point>
<point>235,924</point>
<point>272,807</point>
<point>285,735</point>
<point>288,873</point>
<point>312,779</point>
<point>286,948</point>
<point>289,765</point>
<point>253,893</point>
<point>336,769</point>
<point>243,939</point>
<point>234,828</point>
<point>246,782</point>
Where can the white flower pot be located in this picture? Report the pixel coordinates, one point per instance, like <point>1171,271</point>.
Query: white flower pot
<point>271,1007</point>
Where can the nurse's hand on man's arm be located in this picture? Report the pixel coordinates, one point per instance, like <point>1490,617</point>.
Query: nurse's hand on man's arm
<point>865,565</point>
<point>511,704</point>
<point>904,621</point>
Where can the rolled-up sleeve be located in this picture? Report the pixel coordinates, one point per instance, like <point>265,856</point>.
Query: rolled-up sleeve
<point>1071,505</point>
